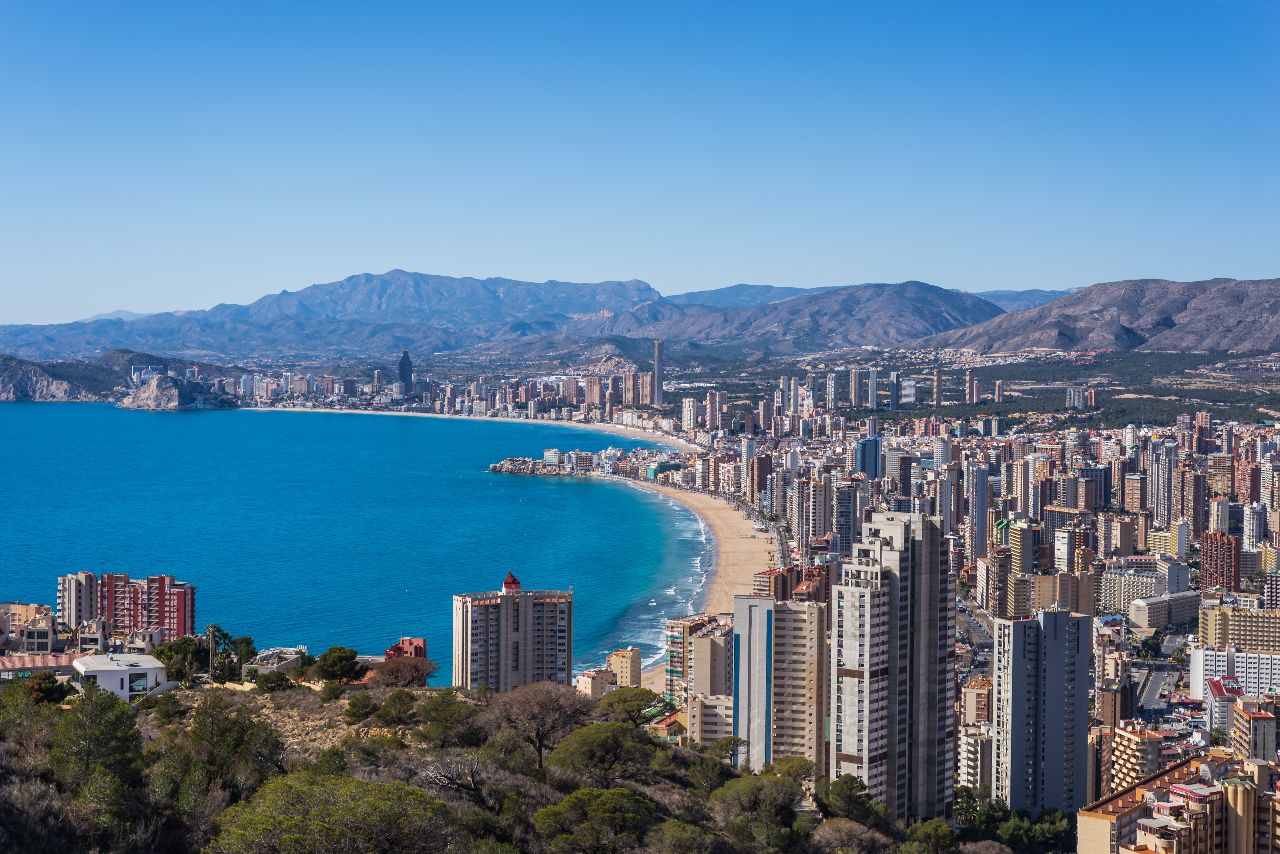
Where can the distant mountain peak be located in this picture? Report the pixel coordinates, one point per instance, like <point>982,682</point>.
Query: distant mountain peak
<point>368,315</point>
<point>119,314</point>
<point>1146,314</point>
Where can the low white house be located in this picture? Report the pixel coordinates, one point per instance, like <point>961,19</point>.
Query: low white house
<point>129,677</point>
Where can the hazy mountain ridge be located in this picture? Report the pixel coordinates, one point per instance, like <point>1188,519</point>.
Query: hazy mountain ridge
<point>744,296</point>
<point>875,314</point>
<point>1146,314</point>
<point>1020,300</point>
<point>379,314</point>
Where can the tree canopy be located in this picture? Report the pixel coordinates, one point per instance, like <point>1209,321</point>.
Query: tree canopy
<point>309,813</point>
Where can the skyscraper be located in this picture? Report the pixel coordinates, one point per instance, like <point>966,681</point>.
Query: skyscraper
<point>780,680</point>
<point>1164,459</point>
<point>689,414</point>
<point>155,602</point>
<point>868,457</point>
<point>892,662</point>
<point>976,496</point>
<point>406,372</point>
<point>1040,700</point>
<point>512,637</point>
<point>1219,561</point>
<point>77,598</point>
<point>657,373</point>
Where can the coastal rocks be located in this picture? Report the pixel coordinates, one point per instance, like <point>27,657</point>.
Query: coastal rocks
<point>165,393</point>
<point>524,465</point>
<point>21,380</point>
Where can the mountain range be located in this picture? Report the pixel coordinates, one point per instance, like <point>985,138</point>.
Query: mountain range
<point>1137,314</point>
<point>744,296</point>
<point>372,315</point>
<point>379,314</point>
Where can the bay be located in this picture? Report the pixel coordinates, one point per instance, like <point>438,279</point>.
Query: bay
<point>325,529</point>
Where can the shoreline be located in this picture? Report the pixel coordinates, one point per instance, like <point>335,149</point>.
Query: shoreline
<point>597,426</point>
<point>734,549</point>
<point>741,551</point>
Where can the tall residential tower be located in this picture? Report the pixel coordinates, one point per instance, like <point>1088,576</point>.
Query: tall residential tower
<point>892,661</point>
<point>1040,700</point>
<point>511,637</point>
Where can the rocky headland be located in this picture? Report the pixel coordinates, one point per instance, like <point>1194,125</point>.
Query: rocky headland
<point>21,380</point>
<point>165,393</point>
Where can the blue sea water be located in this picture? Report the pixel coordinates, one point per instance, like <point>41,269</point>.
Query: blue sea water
<point>323,529</point>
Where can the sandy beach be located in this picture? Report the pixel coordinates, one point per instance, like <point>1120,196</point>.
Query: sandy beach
<point>615,429</point>
<point>741,552</point>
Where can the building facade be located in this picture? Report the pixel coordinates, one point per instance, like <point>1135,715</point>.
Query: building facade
<point>779,680</point>
<point>512,637</point>
<point>893,697</point>
<point>1040,700</point>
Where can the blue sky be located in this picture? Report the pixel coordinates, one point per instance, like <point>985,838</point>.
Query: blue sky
<point>160,156</point>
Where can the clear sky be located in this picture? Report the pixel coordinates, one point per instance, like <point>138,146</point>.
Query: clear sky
<point>176,155</point>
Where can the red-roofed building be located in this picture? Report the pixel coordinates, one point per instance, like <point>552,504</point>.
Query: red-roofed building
<point>408,648</point>
<point>1220,700</point>
<point>670,729</point>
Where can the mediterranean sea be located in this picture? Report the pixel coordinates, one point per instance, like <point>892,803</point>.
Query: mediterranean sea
<point>353,529</point>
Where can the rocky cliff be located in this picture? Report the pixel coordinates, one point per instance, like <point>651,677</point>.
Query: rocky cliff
<point>172,393</point>
<point>21,380</point>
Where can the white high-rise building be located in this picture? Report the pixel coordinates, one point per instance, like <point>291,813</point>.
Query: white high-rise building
<point>1255,525</point>
<point>1040,711</point>
<point>1164,460</point>
<point>1130,438</point>
<point>943,451</point>
<point>779,680</point>
<point>689,414</point>
<point>511,637</point>
<point>974,760</point>
<point>77,598</point>
<point>892,660</point>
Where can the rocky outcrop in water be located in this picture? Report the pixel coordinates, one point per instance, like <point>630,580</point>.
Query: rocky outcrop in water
<point>21,380</point>
<point>165,393</point>
<point>524,465</point>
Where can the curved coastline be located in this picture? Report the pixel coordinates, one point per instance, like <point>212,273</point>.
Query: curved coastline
<point>599,427</point>
<point>738,550</point>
